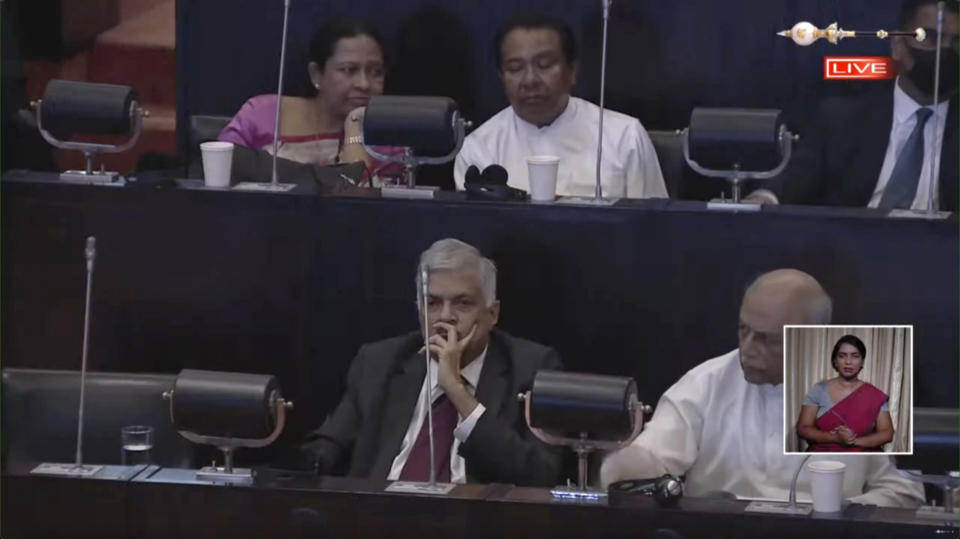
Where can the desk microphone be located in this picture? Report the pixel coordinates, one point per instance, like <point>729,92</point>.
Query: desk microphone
<point>793,484</point>
<point>598,191</point>
<point>90,254</point>
<point>78,468</point>
<point>275,185</point>
<point>427,401</point>
<point>276,120</point>
<point>431,486</point>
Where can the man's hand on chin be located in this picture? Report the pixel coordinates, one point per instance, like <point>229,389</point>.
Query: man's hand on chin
<point>449,350</point>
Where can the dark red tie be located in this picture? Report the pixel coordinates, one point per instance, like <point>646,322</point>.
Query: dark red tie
<point>417,467</point>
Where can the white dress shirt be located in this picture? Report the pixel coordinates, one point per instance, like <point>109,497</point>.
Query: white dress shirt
<point>726,434</point>
<point>629,168</point>
<point>458,468</point>
<point>904,120</point>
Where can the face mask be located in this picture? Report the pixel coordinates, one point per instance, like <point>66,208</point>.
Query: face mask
<point>922,72</point>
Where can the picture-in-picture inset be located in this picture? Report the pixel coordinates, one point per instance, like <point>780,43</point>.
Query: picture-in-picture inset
<point>848,389</point>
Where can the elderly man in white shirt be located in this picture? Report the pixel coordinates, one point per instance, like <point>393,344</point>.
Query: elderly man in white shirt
<point>536,56</point>
<point>721,425</point>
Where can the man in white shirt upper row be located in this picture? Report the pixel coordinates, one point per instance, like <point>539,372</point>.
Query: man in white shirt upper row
<point>859,151</point>
<point>537,59</point>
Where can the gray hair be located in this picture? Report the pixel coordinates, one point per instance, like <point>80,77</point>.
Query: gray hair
<point>454,255</point>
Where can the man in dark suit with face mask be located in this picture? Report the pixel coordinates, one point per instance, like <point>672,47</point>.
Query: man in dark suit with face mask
<point>877,150</point>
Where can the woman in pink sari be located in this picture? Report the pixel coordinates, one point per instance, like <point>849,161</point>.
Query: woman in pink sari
<point>844,413</point>
<point>346,68</point>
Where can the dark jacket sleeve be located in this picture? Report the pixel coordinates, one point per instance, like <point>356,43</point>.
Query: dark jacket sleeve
<point>334,439</point>
<point>501,452</point>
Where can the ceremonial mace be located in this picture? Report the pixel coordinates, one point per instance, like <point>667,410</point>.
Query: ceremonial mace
<point>804,33</point>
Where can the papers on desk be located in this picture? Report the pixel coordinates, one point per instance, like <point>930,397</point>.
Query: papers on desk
<point>778,508</point>
<point>89,471</point>
<point>60,468</point>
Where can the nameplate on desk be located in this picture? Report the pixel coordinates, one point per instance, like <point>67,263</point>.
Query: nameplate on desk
<point>918,214</point>
<point>586,201</point>
<point>408,192</point>
<point>779,508</point>
<point>734,207</point>
<point>106,179</point>
<point>66,469</point>
<point>417,487</point>
<point>264,187</point>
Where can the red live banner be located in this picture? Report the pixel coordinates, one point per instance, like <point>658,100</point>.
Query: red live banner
<point>858,68</point>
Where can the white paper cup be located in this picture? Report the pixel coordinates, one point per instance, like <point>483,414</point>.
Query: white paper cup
<point>217,160</point>
<point>826,485</point>
<point>542,170</point>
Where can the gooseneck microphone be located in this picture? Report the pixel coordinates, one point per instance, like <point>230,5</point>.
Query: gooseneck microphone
<point>90,254</point>
<point>276,121</point>
<point>427,400</point>
<point>935,155</point>
<point>598,192</point>
<point>793,484</point>
<point>274,186</point>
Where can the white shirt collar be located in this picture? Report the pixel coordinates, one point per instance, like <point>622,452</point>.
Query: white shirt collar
<point>470,373</point>
<point>904,107</point>
<point>766,390</point>
<point>568,113</point>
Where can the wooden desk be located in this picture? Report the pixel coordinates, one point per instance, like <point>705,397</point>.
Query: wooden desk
<point>342,507</point>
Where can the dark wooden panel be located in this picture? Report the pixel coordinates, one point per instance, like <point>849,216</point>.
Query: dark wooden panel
<point>293,284</point>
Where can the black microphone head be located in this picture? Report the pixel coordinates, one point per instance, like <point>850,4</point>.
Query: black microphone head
<point>495,174</point>
<point>472,175</point>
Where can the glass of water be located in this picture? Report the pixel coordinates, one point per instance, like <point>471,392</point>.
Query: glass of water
<point>136,445</point>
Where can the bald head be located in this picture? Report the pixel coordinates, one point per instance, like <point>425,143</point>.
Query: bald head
<point>776,299</point>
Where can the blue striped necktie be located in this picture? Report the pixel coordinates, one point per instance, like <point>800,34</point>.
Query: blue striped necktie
<point>902,187</point>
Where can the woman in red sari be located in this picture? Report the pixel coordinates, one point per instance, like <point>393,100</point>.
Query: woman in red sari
<point>845,414</point>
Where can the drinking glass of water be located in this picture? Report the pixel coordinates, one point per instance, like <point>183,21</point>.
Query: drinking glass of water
<point>136,445</point>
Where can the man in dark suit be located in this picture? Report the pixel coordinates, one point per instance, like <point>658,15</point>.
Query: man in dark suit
<point>379,428</point>
<point>877,150</point>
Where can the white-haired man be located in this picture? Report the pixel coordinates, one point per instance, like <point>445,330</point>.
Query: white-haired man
<point>480,435</point>
<point>721,425</point>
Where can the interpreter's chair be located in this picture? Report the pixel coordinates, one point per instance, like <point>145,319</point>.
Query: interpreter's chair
<point>38,416</point>
<point>936,441</point>
<point>936,445</point>
<point>669,148</point>
<point>205,127</point>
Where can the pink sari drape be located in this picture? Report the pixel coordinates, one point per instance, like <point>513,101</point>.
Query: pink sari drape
<point>858,411</point>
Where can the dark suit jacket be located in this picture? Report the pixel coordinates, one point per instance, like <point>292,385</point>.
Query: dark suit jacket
<point>838,160</point>
<point>383,383</point>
